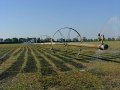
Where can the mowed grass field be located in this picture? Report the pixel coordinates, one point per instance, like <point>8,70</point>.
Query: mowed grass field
<point>37,67</point>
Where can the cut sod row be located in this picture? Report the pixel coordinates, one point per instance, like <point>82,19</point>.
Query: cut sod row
<point>113,57</point>
<point>69,53</point>
<point>59,64</point>
<point>78,58</point>
<point>68,59</point>
<point>19,50</point>
<point>7,63</point>
<point>30,64</point>
<point>2,52</point>
<point>46,68</point>
<point>5,49</point>
<point>15,67</point>
<point>6,55</point>
<point>57,60</point>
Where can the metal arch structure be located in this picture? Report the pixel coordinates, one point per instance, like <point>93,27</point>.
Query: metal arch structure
<point>65,43</point>
<point>59,30</point>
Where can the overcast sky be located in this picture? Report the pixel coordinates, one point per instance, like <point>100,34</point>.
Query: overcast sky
<point>33,18</point>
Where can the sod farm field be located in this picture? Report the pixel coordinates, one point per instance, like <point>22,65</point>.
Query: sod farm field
<point>37,67</point>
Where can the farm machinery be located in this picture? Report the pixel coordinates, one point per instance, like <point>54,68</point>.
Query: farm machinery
<point>70,37</point>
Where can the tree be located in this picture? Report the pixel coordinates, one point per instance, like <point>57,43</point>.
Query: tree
<point>28,40</point>
<point>113,39</point>
<point>61,40</point>
<point>118,38</point>
<point>75,40</point>
<point>15,40</point>
<point>22,40</point>
<point>90,40</point>
<point>84,39</point>
<point>8,40</point>
<point>95,40</point>
<point>38,40</point>
<point>47,40</point>
<point>1,39</point>
<point>109,39</point>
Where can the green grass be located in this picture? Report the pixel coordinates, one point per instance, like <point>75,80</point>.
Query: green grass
<point>37,67</point>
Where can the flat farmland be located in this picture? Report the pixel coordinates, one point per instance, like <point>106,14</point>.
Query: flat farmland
<point>38,67</point>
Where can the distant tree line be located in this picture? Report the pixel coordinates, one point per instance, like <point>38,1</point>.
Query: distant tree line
<point>23,40</point>
<point>106,39</point>
<point>39,40</point>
